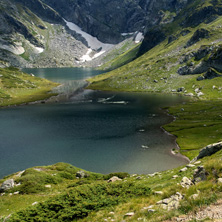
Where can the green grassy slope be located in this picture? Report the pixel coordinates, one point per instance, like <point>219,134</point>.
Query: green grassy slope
<point>120,56</point>
<point>158,71</point>
<point>60,196</point>
<point>17,87</point>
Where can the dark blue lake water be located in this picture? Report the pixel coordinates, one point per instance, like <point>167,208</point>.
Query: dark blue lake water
<point>98,131</point>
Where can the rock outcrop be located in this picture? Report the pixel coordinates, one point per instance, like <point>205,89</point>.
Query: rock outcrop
<point>208,150</point>
<point>6,185</point>
<point>172,202</point>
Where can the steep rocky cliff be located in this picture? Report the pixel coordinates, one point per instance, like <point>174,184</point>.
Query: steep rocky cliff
<point>36,33</point>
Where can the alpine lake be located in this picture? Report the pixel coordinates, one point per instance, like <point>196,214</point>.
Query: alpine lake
<point>97,131</point>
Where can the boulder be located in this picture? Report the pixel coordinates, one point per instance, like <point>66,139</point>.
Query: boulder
<point>130,214</point>
<point>8,184</point>
<point>209,150</point>
<point>114,179</point>
<point>81,174</point>
<point>199,175</point>
<point>183,169</point>
<point>186,182</point>
<point>172,202</point>
<point>219,180</point>
<point>158,192</point>
<point>200,78</point>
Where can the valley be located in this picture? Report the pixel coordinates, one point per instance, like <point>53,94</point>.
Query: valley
<point>160,65</point>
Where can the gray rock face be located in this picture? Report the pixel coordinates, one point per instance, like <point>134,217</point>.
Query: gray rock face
<point>172,202</point>
<point>209,150</point>
<point>197,36</point>
<point>108,19</point>
<point>8,184</point>
<point>200,174</point>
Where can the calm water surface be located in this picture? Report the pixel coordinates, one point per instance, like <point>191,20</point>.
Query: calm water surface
<point>98,131</point>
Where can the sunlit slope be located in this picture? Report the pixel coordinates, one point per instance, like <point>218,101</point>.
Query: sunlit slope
<point>189,53</point>
<point>17,87</point>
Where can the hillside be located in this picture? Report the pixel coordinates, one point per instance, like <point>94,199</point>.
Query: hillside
<point>62,192</point>
<point>17,87</point>
<point>187,61</point>
<point>48,33</point>
<point>181,54</point>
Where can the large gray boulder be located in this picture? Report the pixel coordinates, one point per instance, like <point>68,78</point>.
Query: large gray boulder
<point>8,184</point>
<point>209,150</point>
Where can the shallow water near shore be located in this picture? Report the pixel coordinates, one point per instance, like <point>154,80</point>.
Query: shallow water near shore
<point>98,131</point>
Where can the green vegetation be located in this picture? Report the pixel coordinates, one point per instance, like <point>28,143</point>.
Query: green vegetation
<point>17,87</point>
<point>92,198</point>
<point>198,123</point>
<point>121,56</point>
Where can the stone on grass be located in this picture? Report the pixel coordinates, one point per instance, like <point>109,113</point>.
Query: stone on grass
<point>172,202</point>
<point>158,192</point>
<point>209,150</point>
<point>175,176</point>
<point>81,174</point>
<point>186,182</point>
<point>183,169</point>
<point>200,174</point>
<point>190,165</point>
<point>130,214</point>
<point>8,184</point>
<point>219,180</point>
<point>114,179</point>
<point>151,210</point>
<point>48,186</point>
<point>34,203</point>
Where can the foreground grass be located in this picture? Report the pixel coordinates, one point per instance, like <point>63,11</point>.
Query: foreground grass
<point>93,199</point>
<point>17,87</point>
<point>197,124</point>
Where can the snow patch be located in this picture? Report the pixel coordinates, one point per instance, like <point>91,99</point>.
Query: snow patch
<point>16,49</point>
<point>86,57</point>
<point>125,34</point>
<point>139,37</point>
<point>98,54</point>
<point>39,50</point>
<point>93,42</point>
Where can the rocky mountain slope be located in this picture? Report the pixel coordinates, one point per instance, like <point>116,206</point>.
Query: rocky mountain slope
<point>48,33</point>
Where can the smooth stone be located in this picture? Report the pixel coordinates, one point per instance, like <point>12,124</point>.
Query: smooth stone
<point>114,179</point>
<point>183,169</point>
<point>130,214</point>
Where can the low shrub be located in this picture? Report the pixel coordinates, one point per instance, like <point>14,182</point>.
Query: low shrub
<point>80,201</point>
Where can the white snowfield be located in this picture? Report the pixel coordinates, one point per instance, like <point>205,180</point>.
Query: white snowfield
<point>17,50</point>
<point>93,42</point>
<point>139,37</point>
